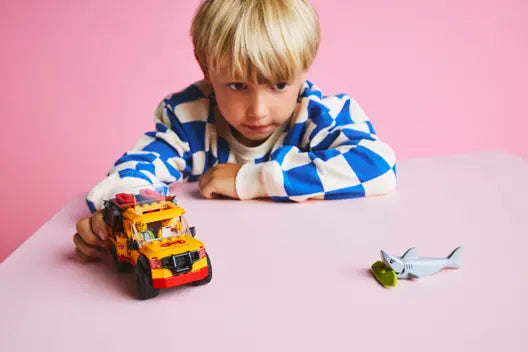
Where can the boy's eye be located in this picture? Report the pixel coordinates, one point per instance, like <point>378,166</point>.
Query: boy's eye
<point>280,86</point>
<point>237,86</point>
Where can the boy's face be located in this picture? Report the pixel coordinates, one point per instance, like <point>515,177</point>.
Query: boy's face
<point>254,111</point>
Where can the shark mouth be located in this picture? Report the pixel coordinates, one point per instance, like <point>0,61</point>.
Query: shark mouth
<point>401,272</point>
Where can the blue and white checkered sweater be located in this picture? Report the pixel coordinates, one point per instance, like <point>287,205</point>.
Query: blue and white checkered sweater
<point>328,150</point>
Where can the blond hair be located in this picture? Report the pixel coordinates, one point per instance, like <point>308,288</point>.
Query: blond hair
<point>264,41</point>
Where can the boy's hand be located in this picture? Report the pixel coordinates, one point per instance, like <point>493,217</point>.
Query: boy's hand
<point>219,180</point>
<point>90,237</point>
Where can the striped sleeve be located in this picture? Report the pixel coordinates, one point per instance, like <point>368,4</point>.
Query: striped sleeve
<point>161,156</point>
<point>335,153</point>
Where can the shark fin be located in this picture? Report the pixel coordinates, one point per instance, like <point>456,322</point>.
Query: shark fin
<point>410,253</point>
<point>454,258</point>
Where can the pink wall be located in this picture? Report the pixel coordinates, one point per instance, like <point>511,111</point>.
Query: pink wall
<point>81,80</point>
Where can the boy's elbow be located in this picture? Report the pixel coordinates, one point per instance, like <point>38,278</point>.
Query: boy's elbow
<point>384,180</point>
<point>382,184</point>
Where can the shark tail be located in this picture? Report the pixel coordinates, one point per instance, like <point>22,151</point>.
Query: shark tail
<point>454,258</point>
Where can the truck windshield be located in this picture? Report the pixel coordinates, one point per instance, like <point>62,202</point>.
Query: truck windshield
<point>149,232</point>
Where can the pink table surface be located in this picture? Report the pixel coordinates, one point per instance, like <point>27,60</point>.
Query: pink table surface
<point>296,276</point>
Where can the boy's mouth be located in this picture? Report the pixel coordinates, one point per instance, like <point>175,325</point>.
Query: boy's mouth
<point>258,128</point>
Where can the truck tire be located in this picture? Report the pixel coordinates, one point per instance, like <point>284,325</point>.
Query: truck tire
<point>209,276</point>
<point>144,286</point>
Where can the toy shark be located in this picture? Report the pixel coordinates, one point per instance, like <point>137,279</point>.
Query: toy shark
<point>411,266</point>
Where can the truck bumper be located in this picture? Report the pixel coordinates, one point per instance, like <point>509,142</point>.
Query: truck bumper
<point>181,279</point>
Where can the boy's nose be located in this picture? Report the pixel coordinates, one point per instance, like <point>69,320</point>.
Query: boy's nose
<point>258,108</point>
<point>258,111</point>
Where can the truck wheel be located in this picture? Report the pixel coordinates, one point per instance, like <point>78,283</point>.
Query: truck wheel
<point>144,283</point>
<point>209,276</point>
<point>119,265</point>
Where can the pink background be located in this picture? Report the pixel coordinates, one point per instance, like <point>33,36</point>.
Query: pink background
<point>81,80</point>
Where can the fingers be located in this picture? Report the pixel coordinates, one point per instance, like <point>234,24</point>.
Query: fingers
<point>98,225</point>
<point>208,190</point>
<point>90,237</point>
<point>207,184</point>
<point>87,251</point>
<point>84,229</point>
<point>206,178</point>
<point>83,256</point>
<point>220,181</point>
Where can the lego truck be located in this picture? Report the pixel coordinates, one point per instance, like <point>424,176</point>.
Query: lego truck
<point>149,234</point>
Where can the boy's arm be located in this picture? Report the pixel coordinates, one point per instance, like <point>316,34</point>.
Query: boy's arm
<point>340,157</point>
<point>163,155</point>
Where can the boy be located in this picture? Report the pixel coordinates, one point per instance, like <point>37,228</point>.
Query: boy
<point>254,127</point>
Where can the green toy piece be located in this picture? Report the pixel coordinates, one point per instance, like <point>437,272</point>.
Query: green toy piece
<point>385,275</point>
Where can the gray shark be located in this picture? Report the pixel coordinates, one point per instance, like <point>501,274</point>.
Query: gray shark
<point>411,266</point>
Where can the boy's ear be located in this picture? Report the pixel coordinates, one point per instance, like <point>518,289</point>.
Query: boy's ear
<point>202,66</point>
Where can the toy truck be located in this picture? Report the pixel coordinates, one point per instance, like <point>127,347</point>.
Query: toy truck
<point>149,233</point>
